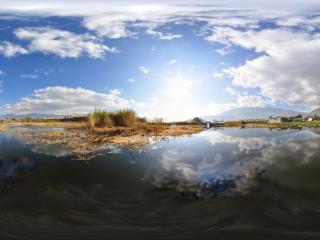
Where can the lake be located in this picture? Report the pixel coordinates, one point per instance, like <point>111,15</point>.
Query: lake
<point>219,184</point>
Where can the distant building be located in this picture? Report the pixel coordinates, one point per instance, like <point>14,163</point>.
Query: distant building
<point>214,124</point>
<point>297,118</point>
<point>313,118</point>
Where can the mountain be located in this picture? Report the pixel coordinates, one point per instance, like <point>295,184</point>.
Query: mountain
<point>251,113</point>
<point>30,115</point>
<point>315,112</point>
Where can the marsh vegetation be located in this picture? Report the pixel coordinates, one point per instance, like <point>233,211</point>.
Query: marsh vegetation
<point>98,130</point>
<point>104,119</point>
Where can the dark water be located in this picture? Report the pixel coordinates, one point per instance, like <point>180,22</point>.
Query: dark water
<point>219,184</point>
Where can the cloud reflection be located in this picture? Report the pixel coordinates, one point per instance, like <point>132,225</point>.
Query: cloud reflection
<point>236,161</point>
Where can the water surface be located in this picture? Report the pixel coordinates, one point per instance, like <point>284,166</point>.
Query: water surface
<point>222,183</point>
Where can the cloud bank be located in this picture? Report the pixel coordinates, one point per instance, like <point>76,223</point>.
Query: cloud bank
<point>64,100</point>
<point>287,69</point>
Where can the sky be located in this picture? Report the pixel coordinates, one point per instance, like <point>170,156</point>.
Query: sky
<point>170,59</point>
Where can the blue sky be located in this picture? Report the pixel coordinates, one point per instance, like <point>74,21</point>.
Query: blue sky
<point>162,59</point>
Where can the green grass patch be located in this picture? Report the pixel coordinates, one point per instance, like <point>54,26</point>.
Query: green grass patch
<point>304,123</point>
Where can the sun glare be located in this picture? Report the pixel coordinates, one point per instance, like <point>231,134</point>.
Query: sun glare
<point>178,86</point>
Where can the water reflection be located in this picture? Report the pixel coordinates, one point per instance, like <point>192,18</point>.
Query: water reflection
<point>237,159</point>
<point>250,181</point>
<point>294,163</point>
<point>51,150</point>
<point>13,160</point>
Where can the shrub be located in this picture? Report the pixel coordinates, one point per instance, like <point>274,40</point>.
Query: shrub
<point>124,118</point>
<point>142,120</point>
<point>99,119</point>
<point>197,121</point>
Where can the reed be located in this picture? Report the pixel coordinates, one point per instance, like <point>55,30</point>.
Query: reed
<point>100,119</point>
<point>124,118</point>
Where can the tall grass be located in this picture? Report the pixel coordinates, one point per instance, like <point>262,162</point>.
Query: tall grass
<point>99,119</point>
<point>124,118</point>
<point>104,119</point>
<point>157,125</point>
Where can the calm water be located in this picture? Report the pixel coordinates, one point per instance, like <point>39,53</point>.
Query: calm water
<point>219,184</point>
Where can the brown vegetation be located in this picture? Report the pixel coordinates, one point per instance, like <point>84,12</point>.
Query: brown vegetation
<point>104,119</point>
<point>99,119</point>
<point>3,127</point>
<point>100,129</point>
<point>82,140</point>
<point>235,123</point>
<point>124,118</point>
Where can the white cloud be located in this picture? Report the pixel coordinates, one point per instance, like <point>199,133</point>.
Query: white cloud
<point>11,50</point>
<point>31,76</point>
<point>62,43</point>
<point>115,22</point>
<point>218,75</point>
<point>114,19</point>
<point>144,69</point>
<point>82,7</point>
<point>309,23</point>
<point>163,36</point>
<point>287,69</point>
<point>172,61</point>
<point>224,51</point>
<point>131,80</point>
<point>228,19</point>
<point>64,100</point>
<point>115,92</point>
<point>109,25</point>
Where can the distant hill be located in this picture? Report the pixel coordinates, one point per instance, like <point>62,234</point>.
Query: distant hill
<point>315,112</point>
<point>251,113</point>
<point>30,115</point>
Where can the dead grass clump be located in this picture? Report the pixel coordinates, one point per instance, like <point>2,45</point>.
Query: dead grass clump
<point>124,118</point>
<point>99,119</point>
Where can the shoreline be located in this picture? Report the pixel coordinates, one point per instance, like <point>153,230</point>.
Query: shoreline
<point>279,125</point>
<point>81,140</point>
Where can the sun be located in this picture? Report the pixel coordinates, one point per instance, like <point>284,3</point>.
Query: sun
<point>178,86</point>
